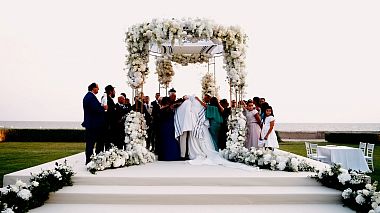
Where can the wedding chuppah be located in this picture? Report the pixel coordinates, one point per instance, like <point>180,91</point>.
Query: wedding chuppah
<point>212,180</point>
<point>186,127</point>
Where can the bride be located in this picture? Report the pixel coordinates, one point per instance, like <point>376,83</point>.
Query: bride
<point>201,146</point>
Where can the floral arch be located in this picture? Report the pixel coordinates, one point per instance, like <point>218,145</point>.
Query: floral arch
<point>167,37</point>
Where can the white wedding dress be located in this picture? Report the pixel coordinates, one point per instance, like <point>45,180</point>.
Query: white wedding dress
<point>201,147</point>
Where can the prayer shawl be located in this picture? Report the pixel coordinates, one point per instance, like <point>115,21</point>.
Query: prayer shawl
<point>183,119</point>
<point>201,120</point>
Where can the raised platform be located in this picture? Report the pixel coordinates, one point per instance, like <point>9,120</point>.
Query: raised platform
<point>179,186</point>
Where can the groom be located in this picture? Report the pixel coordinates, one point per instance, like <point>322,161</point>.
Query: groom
<point>183,121</point>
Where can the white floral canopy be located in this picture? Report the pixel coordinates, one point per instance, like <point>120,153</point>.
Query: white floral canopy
<point>184,41</point>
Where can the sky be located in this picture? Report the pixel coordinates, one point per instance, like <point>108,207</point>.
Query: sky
<point>313,61</point>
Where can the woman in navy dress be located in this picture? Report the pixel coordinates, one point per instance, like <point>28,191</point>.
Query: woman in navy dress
<point>168,146</point>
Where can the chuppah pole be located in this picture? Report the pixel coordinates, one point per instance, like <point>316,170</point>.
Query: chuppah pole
<point>136,92</point>
<point>142,97</point>
<point>230,94</point>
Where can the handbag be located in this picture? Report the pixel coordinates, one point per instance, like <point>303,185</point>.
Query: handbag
<point>261,143</point>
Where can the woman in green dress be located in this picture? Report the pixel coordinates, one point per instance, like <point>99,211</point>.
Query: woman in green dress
<point>214,115</point>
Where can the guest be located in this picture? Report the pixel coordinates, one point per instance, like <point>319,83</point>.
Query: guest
<point>148,119</point>
<point>139,106</point>
<point>224,127</point>
<point>268,133</point>
<point>262,100</point>
<point>121,112</point>
<point>213,114</point>
<point>256,102</point>
<point>253,125</point>
<point>128,104</point>
<point>233,104</point>
<point>155,122</point>
<point>93,120</point>
<point>169,149</point>
<point>147,105</point>
<point>110,121</point>
<point>264,107</point>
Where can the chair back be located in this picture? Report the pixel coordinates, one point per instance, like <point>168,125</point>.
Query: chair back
<point>308,150</point>
<point>363,147</point>
<point>313,148</point>
<point>370,148</point>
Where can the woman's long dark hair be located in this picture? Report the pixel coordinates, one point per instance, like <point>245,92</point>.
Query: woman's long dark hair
<point>214,102</point>
<point>265,114</point>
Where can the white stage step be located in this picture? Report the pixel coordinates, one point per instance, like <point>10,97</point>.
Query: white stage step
<point>101,208</point>
<point>198,181</point>
<point>181,187</point>
<point>195,195</point>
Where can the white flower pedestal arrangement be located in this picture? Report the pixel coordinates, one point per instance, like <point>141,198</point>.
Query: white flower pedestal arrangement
<point>134,152</point>
<point>209,85</point>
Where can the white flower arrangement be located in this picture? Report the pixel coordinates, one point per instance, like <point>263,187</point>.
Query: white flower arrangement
<point>139,38</point>
<point>22,197</point>
<point>135,152</point>
<point>237,129</point>
<point>209,85</point>
<point>266,159</point>
<point>186,59</point>
<point>135,129</point>
<point>164,70</point>
<point>116,158</point>
<point>236,152</point>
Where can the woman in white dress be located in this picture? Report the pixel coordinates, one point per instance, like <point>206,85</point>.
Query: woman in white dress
<point>267,133</point>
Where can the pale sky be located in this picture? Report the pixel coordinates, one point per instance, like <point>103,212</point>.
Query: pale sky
<point>314,61</point>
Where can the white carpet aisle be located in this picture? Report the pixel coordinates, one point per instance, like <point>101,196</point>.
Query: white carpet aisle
<point>181,187</point>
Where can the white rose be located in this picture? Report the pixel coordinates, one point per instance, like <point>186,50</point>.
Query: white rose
<point>24,194</point>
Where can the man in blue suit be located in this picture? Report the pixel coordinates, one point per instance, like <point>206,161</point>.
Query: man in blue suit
<point>93,119</point>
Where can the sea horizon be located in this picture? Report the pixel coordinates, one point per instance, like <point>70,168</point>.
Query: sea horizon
<point>285,126</point>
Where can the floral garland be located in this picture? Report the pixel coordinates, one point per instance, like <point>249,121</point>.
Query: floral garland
<point>164,70</point>
<point>117,158</point>
<point>140,37</point>
<point>357,191</point>
<point>208,85</point>
<point>186,59</point>
<point>264,159</point>
<point>22,197</point>
<point>135,152</point>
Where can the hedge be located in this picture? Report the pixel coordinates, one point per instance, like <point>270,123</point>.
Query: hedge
<point>44,135</point>
<point>353,137</point>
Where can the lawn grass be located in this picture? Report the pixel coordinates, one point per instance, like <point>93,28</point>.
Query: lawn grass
<point>299,149</point>
<point>16,156</point>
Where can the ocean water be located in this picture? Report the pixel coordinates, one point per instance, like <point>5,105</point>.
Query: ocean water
<point>288,127</point>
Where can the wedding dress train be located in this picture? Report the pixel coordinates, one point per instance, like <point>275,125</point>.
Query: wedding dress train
<point>201,147</point>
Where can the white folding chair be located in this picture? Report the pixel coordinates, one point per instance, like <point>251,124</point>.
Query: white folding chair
<point>308,150</point>
<point>369,156</point>
<point>314,153</point>
<point>363,147</point>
